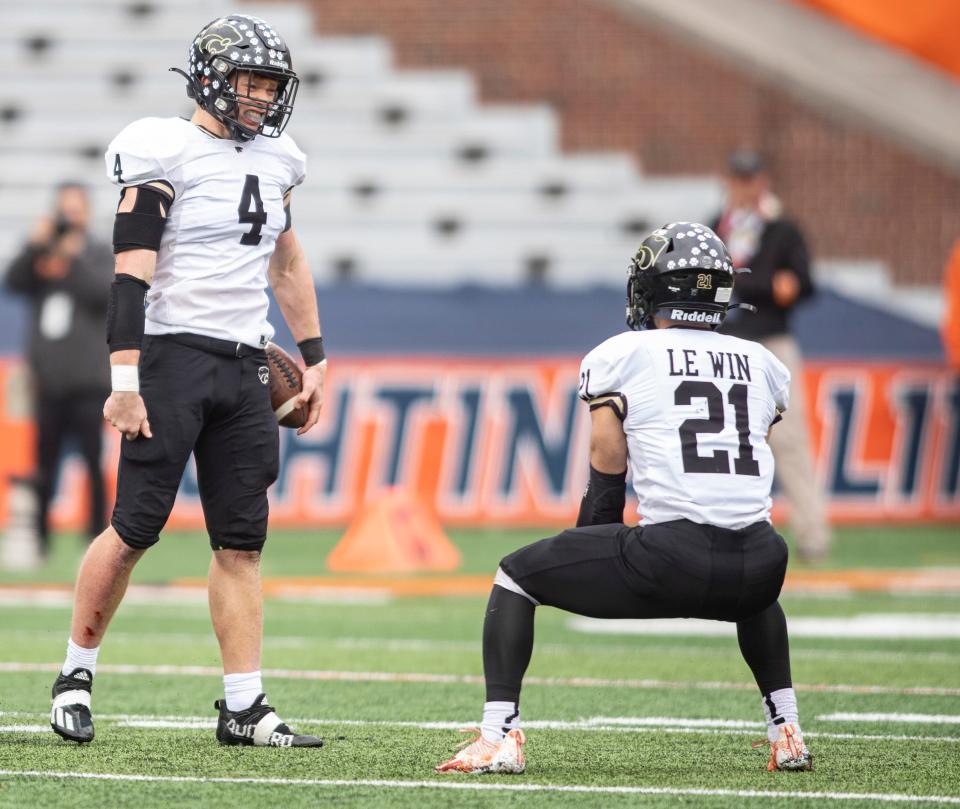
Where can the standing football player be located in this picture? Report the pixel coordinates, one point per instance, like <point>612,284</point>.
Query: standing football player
<point>688,410</point>
<point>202,226</point>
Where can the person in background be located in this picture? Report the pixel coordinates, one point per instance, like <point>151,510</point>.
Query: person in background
<point>762,239</point>
<point>66,273</point>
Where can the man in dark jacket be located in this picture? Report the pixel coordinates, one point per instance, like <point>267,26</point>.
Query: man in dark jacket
<point>759,237</point>
<point>66,273</point>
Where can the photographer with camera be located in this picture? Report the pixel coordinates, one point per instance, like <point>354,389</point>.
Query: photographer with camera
<point>66,273</point>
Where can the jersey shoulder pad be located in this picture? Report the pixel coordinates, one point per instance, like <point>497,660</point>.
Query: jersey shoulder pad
<point>294,158</point>
<point>604,370</point>
<point>144,150</point>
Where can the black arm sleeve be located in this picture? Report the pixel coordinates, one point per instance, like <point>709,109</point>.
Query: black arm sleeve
<point>603,499</point>
<point>125,313</point>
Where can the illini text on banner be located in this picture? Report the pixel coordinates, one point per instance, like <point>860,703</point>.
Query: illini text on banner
<point>504,442</point>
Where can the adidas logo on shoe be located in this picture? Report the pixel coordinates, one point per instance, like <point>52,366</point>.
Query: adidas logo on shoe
<point>70,715</point>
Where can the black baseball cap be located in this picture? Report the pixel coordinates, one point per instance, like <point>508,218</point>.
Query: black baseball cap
<point>745,163</point>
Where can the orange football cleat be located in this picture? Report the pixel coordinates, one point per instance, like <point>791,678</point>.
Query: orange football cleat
<point>789,752</point>
<point>481,756</point>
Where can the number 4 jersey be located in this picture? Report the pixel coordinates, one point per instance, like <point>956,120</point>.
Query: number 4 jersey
<point>699,406</point>
<point>222,227</point>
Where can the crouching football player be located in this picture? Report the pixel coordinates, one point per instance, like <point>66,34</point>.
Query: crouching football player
<point>689,410</point>
<point>202,227</point>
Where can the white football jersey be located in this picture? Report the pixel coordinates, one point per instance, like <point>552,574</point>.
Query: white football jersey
<point>698,408</point>
<point>227,212</point>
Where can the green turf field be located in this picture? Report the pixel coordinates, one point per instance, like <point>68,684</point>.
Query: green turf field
<point>612,720</point>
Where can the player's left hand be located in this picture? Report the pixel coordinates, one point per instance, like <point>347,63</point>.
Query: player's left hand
<point>311,397</point>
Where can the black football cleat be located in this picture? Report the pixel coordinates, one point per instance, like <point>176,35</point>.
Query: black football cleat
<point>70,715</point>
<point>259,726</point>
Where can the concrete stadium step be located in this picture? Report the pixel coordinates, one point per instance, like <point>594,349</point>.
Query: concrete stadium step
<point>393,100</point>
<point>552,177</point>
<point>446,212</point>
<point>142,56</point>
<point>410,179</point>
<point>164,23</point>
<point>522,130</point>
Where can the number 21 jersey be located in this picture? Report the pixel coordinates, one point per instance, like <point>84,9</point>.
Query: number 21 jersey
<point>222,227</point>
<point>699,406</point>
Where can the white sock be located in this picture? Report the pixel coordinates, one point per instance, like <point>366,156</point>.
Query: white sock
<point>780,708</point>
<point>498,719</point>
<point>241,690</point>
<point>80,658</point>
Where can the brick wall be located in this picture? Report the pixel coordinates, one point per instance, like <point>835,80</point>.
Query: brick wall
<point>619,84</point>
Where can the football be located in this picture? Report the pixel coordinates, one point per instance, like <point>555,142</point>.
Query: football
<point>286,381</point>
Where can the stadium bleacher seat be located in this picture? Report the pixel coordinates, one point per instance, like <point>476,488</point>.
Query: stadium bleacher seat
<point>411,179</point>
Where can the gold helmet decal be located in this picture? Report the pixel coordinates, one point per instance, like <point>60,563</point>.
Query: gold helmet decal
<point>650,250</point>
<point>216,40</point>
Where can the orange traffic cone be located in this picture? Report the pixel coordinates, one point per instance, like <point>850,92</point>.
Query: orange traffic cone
<point>396,533</point>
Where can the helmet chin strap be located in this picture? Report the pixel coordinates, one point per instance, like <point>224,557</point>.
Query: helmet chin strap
<point>191,86</point>
<point>747,306</point>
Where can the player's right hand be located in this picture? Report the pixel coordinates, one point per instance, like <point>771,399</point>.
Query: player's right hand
<point>126,411</point>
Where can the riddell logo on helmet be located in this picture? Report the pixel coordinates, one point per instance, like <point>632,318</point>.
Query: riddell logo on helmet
<point>695,317</point>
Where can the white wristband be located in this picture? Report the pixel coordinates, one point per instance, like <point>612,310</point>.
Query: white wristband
<point>125,378</point>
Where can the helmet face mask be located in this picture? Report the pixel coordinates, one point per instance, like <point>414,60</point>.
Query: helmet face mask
<point>224,61</point>
<point>681,272</point>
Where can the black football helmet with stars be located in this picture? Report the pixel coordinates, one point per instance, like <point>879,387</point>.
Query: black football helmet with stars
<point>681,272</point>
<point>244,43</point>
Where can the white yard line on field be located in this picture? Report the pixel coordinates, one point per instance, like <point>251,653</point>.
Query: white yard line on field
<point>493,786</point>
<point>428,645</point>
<point>868,625</point>
<point>593,723</point>
<point>474,679</point>
<point>914,718</point>
<point>605,724</point>
<point>145,594</point>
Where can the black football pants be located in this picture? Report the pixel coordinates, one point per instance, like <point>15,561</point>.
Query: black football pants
<point>670,570</point>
